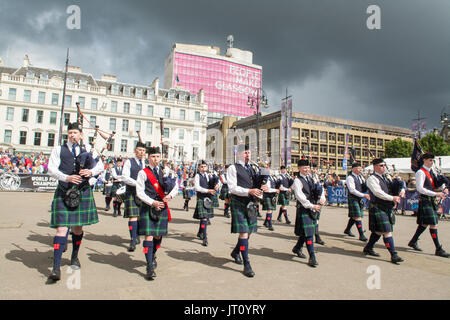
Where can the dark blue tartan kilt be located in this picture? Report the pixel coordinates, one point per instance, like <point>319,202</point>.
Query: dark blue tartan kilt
<point>426,213</point>
<point>355,208</point>
<point>148,227</point>
<point>131,208</point>
<point>215,200</point>
<point>85,214</point>
<point>224,192</point>
<point>283,198</point>
<point>240,221</point>
<point>379,219</point>
<point>201,212</point>
<point>304,225</point>
<point>267,202</point>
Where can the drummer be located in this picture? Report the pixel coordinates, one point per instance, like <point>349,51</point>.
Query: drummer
<point>116,174</point>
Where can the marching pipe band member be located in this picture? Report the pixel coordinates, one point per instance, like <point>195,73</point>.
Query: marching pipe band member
<point>108,183</point>
<point>186,184</point>
<point>204,208</point>
<point>224,192</point>
<point>241,180</point>
<point>269,198</point>
<point>129,175</point>
<point>73,205</point>
<point>215,199</point>
<point>154,213</point>
<point>284,195</point>
<point>307,211</point>
<point>316,182</point>
<point>428,186</point>
<point>356,186</point>
<point>381,205</point>
<point>116,174</point>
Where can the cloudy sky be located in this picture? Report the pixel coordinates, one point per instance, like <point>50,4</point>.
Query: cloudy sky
<point>320,50</point>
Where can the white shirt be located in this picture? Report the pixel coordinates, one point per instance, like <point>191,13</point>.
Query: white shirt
<point>55,161</point>
<point>140,187</point>
<point>126,171</point>
<point>420,180</point>
<point>283,188</point>
<point>232,181</point>
<point>224,179</point>
<point>269,185</point>
<point>197,186</point>
<point>297,187</point>
<point>115,175</point>
<point>350,182</point>
<point>374,185</point>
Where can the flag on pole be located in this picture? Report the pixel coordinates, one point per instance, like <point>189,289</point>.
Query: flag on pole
<point>416,157</point>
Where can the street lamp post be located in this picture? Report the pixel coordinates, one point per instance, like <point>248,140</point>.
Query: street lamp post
<point>261,100</point>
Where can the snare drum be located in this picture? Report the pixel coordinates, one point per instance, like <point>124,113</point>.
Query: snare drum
<point>120,193</point>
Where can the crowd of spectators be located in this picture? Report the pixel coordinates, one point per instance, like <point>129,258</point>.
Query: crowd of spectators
<point>20,163</point>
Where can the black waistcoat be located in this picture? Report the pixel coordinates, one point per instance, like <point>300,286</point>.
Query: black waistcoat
<point>386,187</point>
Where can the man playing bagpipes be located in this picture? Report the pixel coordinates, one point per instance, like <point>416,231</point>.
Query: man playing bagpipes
<point>269,202</point>
<point>310,198</point>
<point>187,187</point>
<point>284,196</point>
<point>155,190</point>
<point>205,186</point>
<point>107,185</point>
<point>224,192</point>
<point>117,184</point>
<point>430,186</point>
<point>73,204</point>
<point>129,175</point>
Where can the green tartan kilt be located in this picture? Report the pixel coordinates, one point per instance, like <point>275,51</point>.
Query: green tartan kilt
<point>240,222</point>
<point>283,198</point>
<point>379,219</point>
<point>267,202</point>
<point>148,227</point>
<point>85,214</point>
<point>355,209</point>
<point>215,200</point>
<point>201,212</point>
<point>131,209</point>
<point>114,188</point>
<point>224,192</point>
<point>304,225</point>
<point>426,213</point>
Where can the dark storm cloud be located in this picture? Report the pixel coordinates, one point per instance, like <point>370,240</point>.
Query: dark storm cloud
<point>321,51</point>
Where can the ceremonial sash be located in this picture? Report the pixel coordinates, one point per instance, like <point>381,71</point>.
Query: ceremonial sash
<point>429,177</point>
<point>157,187</point>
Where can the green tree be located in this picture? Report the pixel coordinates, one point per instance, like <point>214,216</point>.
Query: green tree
<point>398,148</point>
<point>435,144</point>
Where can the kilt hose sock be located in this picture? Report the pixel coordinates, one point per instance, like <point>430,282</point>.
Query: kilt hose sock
<point>419,231</point>
<point>76,242</point>
<point>148,252</point>
<point>225,211</point>
<point>133,227</point>
<point>372,240</point>
<point>156,244</point>
<point>310,245</point>
<point>350,224</point>
<point>359,227</point>
<point>300,242</point>
<point>58,247</point>
<point>389,243</point>
<point>243,248</point>
<point>108,201</point>
<point>434,236</point>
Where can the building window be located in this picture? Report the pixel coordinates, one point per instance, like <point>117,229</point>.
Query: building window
<point>110,146</point>
<point>314,134</point>
<point>10,113</point>
<point>126,107</point>
<point>166,133</point>
<point>323,135</point>
<point>341,137</point>
<point>41,97</point>
<point>53,116</point>
<point>51,140</point>
<point>115,89</point>
<point>65,137</point>
<point>357,139</point>
<point>195,153</point>
<point>55,98</point>
<point>181,134</point>
<point>295,146</point>
<point>23,137</point>
<point>365,140</point>
<point>37,138</point>
<point>82,101</point>
<point>323,148</point>
<point>295,132</point>
<point>112,124</point>
<point>305,133</point>
<point>182,114</point>
<point>125,125</point>
<point>150,111</point>
<point>332,136</point>
<point>137,125</point>
<point>126,91</point>
<point>373,141</point>
<point>138,109</point>
<point>197,115</point>
<point>68,101</point>
<point>340,150</point>
<point>138,93</point>
<point>113,106</point>
<point>332,149</point>
<point>196,136</point>
<point>149,127</point>
<point>7,137</point>
<point>66,119</point>
<point>123,145</point>
<point>94,103</point>
<point>39,116</point>
<point>167,113</point>
<point>27,95</point>
<point>12,94</point>
<point>25,113</point>
<point>93,120</point>
<point>380,142</point>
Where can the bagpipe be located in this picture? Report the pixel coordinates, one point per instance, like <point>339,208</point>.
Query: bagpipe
<point>316,193</point>
<point>261,176</point>
<point>169,179</point>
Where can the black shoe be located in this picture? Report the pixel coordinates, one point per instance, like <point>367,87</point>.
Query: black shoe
<point>154,263</point>
<point>209,222</point>
<point>205,242</point>
<point>288,221</point>
<point>132,246</point>
<point>312,262</point>
<point>150,273</point>
<point>119,213</point>
<point>137,240</point>
<point>370,252</point>
<point>227,215</point>
<point>349,233</point>
<point>237,257</point>
<point>115,214</point>
<point>248,272</point>
<point>271,228</point>
<point>320,241</point>
<point>200,235</point>
<point>414,246</point>
<point>74,262</point>
<point>107,208</point>
<point>441,253</point>
<point>279,218</point>
<point>298,252</point>
<point>266,224</point>
<point>363,238</point>
<point>55,275</point>
<point>395,258</point>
